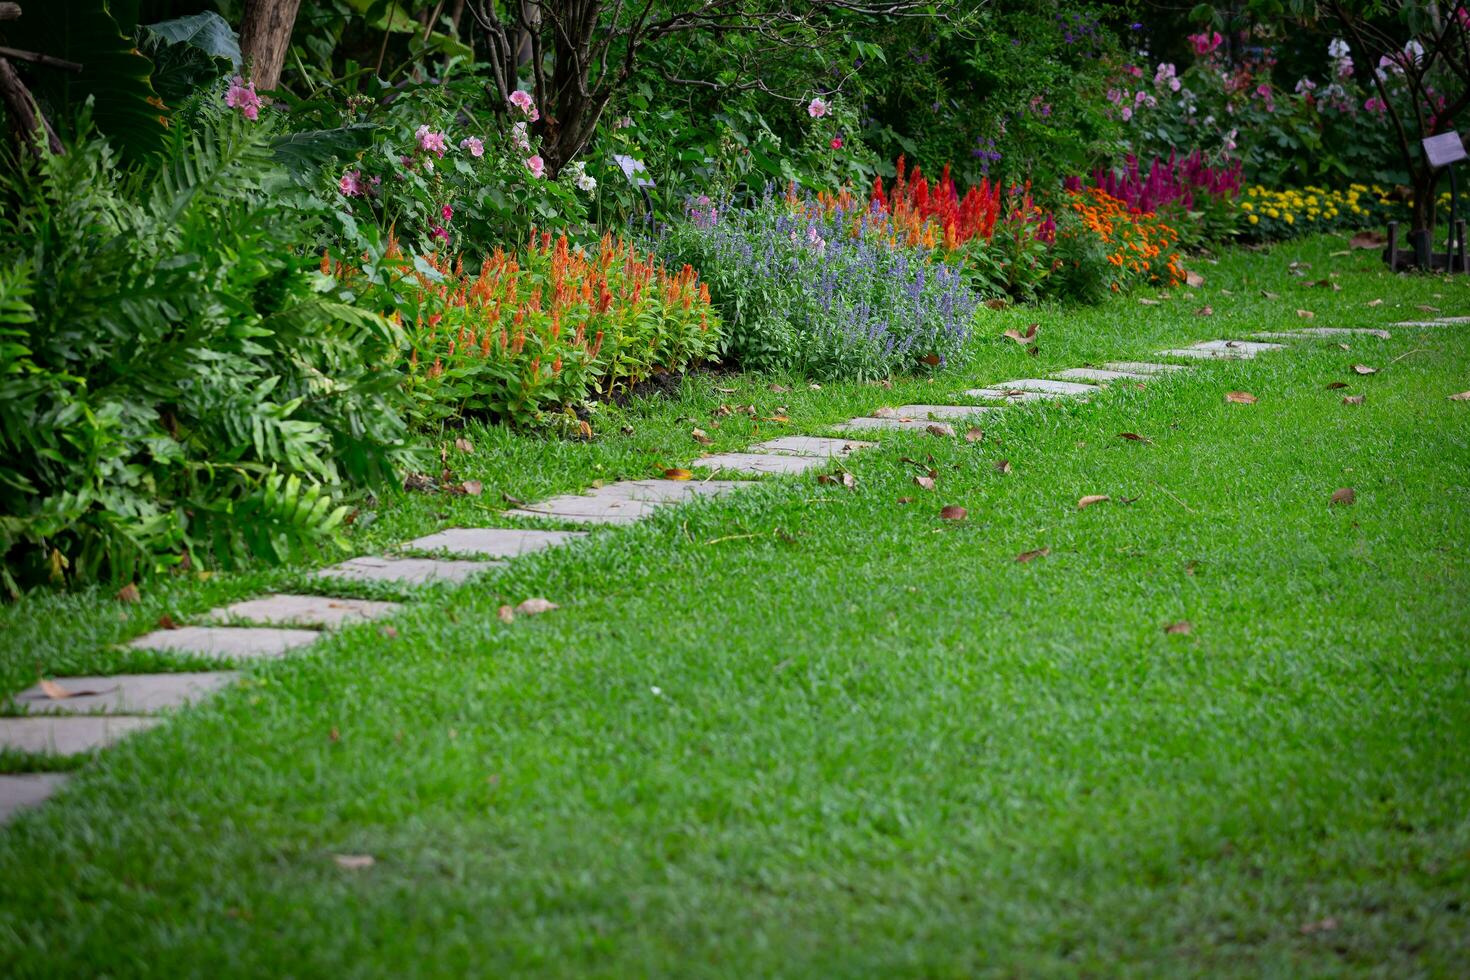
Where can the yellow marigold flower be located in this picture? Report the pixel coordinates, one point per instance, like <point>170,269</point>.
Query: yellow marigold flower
<point>1247,206</point>
<point>1288,218</point>
<point>1253,219</point>
<point>1273,213</point>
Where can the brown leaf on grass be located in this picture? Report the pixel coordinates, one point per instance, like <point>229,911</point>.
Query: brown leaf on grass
<point>1368,239</point>
<point>677,474</point>
<point>536,606</point>
<point>1343,347</point>
<point>939,429</point>
<point>924,482</point>
<point>166,622</point>
<point>1240,398</point>
<point>464,445</point>
<point>56,692</point>
<point>930,359</point>
<point>885,413</point>
<point>1321,925</point>
<point>1193,279</point>
<point>1305,314</point>
<point>1353,400</point>
<point>1026,556</point>
<point>472,488</point>
<point>1183,626</point>
<point>354,862</point>
<point>996,304</point>
<point>779,388</point>
<point>1327,284</point>
<point>954,513</point>
<point>722,411</point>
<point>1427,308</point>
<point>1033,350</point>
<point>1375,302</point>
<point>1270,295</point>
<point>776,418</point>
<point>1002,466</point>
<point>1092,498</point>
<point>1205,311</point>
<point>975,434</point>
<point>1134,437</point>
<point>702,437</point>
<point>1463,396</point>
<point>1149,302</point>
<point>129,593</point>
<point>1343,497</point>
<point>905,500</point>
<point>1333,385</point>
<point>420,482</point>
<point>627,430</point>
<point>1023,338</point>
<point>391,632</point>
<point>1364,369</point>
<point>506,614</point>
<point>843,478</point>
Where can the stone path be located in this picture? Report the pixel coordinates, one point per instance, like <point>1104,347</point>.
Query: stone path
<point>85,714</point>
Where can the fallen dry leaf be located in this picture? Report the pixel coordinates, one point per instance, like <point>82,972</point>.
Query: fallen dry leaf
<point>939,429</point>
<point>1270,295</point>
<point>701,437</point>
<point>1205,311</point>
<point>1026,556</point>
<point>905,500</point>
<point>1321,925</point>
<point>128,593</point>
<point>975,434</point>
<point>166,622</point>
<point>1002,466</point>
<point>677,474</point>
<point>1375,302</point>
<point>506,614</point>
<point>536,606</point>
<point>843,478</point>
<point>1149,302</point>
<point>930,359</point>
<point>391,632</point>
<point>1427,308</point>
<point>996,304</point>
<point>1343,347</point>
<point>1331,385</point>
<point>885,413</point>
<point>1463,396</point>
<point>1364,369</point>
<point>354,862</point>
<point>1305,314</point>
<point>472,488</point>
<point>954,513</point>
<point>1183,626</point>
<point>1240,398</point>
<point>1090,499</point>
<point>1352,400</point>
<point>464,445</point>
<point>1194,279</point>
<point>1343,496</point>
<point>1327,284</point>
<point>56,692</point>
<point>924,482</point>
<point>779,388</point>
<point>1134,437</point>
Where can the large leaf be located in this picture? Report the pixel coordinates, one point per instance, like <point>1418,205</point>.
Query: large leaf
<point>208,32</point>
<point>189,53</point>
<point>115,74</point>
<point>302,153</point>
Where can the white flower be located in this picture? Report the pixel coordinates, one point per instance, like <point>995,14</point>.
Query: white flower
<point>1338,49</point>
<point>521,137</point>
<point>1414,50</point>
<point>657,691</point>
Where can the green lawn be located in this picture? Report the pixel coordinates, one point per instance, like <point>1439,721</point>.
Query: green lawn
<point>814,731</point>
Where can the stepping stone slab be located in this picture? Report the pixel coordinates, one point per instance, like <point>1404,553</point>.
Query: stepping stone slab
<point>69,734</point>
<point>305,610</point>
<point>869,424</point>
<point>1444,321</point>
<point>1143,367</point>
<point>1010,395</point>
<point>19,792</point>
<point>1100,377</point>
<point>942,412</point>
<point>124,694</point>
<point>1209,354</point>
<point>1046,387</point>
<point>1246,345</point>
<point>758,463</point>
<point>810,446</point>
<point>666,491</point>
<point>625,501</point>
<point>234,642</point>
<point>493,542</point>
<point>406,571</point>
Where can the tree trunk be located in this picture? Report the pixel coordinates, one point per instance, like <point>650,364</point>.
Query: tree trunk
<point>24,114</point>
<point>265,36</point>
<point>1425,184</point>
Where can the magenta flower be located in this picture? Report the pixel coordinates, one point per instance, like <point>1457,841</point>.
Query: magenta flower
<point>816,109</point>
<point>522,100</point>
<point>837,142</point>
<point>536,165</point>
<point>431,141</point>
<point>241,95</point>
<point>1205,43</point>
<point>447,213</point>
<point>351,184</point>
<point>440,233</point>
<point>473,144</point>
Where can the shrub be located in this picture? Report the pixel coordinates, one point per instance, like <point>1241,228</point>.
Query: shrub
<point>822,289</point>
<point>174,386</point>
<point>531,333</point>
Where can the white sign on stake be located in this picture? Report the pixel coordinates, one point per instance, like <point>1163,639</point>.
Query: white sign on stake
<point>1444,149</point>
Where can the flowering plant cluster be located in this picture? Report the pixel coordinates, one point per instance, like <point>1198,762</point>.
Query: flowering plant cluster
<point>826,289</point>
<point>1191,191</point>
<point>1139,246</point>
<point>533,332</point>
<point>1268,214</point>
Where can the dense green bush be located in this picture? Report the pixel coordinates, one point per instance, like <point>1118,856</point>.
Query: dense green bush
<point>174,384</point>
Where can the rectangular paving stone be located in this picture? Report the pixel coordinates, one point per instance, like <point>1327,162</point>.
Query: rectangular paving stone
<point>69,734</point>
<point>124,694</point>
<point>869,424</point>
<point>1144,367</point>
<point>667,491</point>
<point>239,642</point>
<point>493,542</point>
<point>305,610</point>
<point>1010,395</point>
<point>1203,354</point>
<point>24,790</point>
<point>1047,387</point>
<point>1341,332</point>
<point>811,446</point>
<point>1443,321</point>
<point>406,571</point>
<point>1098,376</point>
<point>943,413</point>
<point>1246,345</point>
<point>759,463</point>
